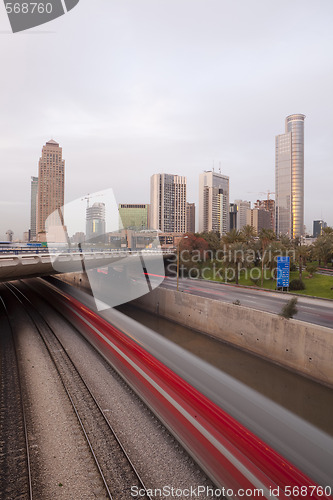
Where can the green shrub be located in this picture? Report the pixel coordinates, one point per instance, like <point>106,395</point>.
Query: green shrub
<point>289,309</point>
<point>296,284</point>
<point>311,268</point>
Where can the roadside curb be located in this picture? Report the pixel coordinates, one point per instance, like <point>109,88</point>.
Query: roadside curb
<point>263,289</point>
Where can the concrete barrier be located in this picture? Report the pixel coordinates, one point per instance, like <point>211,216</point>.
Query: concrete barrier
<point>79,280</point>
<point>300,346</point>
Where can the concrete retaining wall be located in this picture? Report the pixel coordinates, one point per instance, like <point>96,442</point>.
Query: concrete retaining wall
<point>301,346</point>
<point>80,280</point>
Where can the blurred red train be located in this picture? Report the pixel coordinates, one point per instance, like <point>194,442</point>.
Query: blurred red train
<point>242,440</point>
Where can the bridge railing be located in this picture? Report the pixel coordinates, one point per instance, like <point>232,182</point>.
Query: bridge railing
<point>54,250</point>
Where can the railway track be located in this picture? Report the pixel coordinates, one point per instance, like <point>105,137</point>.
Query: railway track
<point>15,473</point>
<point>114,466</point>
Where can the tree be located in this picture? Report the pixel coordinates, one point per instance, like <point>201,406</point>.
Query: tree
<point>248,233</point>
<point>286,241</point>
<point>232,236</point>
<point>302,254</point>
<point>213,240</point>
<point>311,269</point>
<point>236,256</point>
<point>192,242</point>
<point>192,250</point>
<point>323,247</point>
<point>266,236</point>
<point>273,250</point>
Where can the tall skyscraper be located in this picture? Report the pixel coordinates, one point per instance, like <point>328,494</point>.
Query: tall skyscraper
<point>33,208</point>
<point>242,206</point>
<point>289,178</point>
<point>95,223</point>
<point>9,235</point>
<point>50,184</point>
<point>190,217</point>
<point>213,202</point>
<point>168,203</point>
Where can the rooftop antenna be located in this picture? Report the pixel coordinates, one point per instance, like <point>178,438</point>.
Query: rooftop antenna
<point>220,167</point>
<point>213,166</point>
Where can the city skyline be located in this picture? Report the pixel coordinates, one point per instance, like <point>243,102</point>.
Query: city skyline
<point>243,207</point>
<point>207,179</point>
<point>174,104</point>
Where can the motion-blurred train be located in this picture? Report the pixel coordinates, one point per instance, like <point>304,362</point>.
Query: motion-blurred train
<point>242,440</point>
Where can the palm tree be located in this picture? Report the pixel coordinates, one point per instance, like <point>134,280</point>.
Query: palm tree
<point>302,254</point>
<point>232,236</point>
<point>275,249</point>
<point>266,236</point>
<point>237,257</point>
<point>248,232</point>
<point>286,241</point>
<point>323,247</point>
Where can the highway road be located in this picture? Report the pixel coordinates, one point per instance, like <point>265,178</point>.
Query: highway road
<point>311,310</point>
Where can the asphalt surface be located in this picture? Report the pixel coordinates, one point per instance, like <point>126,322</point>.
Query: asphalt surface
<point>311,310</point>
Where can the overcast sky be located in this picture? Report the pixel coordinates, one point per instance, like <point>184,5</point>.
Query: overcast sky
<point>130,88</point>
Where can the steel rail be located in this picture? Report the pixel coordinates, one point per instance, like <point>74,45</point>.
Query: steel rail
<point>25,427</point>
<point>110,427</point>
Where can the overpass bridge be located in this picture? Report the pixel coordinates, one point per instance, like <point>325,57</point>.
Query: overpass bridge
<point>20,263</point>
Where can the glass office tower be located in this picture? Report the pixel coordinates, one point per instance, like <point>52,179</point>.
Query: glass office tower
<point>289,178</point>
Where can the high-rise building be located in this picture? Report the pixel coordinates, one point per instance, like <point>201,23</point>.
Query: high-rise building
<point>289,178</point>
<point>50,186</point>
<point>258,218</point>
<point>134,216</point>
<point>9,235</point>
<point>270,206</point>
<point>190,217</point>
<point>318,226</point>
<point>95,223</point>
<point>168,203</point>
<point>233,210</point>
<point>33,208</point>
<point>213,202</point>
<point>243,207</point>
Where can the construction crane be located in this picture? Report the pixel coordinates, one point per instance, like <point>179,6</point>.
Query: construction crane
<point>268,193</point>
<point>90,196</point>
